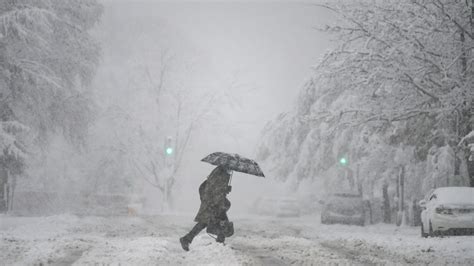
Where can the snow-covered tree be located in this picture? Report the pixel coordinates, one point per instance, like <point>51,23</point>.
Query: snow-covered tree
<point>404,60</point>
<point>47,61</point>
<point>48,58</point>
<point>176,112</point>
<point>399,82</point>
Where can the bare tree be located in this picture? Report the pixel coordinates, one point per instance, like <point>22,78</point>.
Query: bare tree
<point>178,113</point>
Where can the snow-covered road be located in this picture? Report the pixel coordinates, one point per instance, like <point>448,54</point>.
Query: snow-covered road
<point>153,240</point>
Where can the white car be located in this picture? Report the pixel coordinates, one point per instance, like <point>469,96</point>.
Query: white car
<point>448,210</point>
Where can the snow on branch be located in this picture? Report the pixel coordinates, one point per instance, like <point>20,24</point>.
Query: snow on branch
<point>468,136</point>
<point>27,22</point>
<point>9,143</point>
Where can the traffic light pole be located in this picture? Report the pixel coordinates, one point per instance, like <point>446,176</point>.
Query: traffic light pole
<point>169,151</point>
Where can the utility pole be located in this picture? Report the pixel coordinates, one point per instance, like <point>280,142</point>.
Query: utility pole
<point>169,163</point>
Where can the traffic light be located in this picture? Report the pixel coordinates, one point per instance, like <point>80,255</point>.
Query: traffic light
<point>169,146</point>
<point>343,161</point>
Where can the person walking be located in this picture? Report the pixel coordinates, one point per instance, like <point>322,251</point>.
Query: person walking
<point>214,206</point>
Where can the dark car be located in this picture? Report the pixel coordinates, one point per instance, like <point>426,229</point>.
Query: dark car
<point>343,208</point>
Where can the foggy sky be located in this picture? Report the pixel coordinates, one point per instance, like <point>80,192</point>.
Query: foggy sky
<point>267,47</point>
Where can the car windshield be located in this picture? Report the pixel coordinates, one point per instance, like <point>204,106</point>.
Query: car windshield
<point>456,195</point>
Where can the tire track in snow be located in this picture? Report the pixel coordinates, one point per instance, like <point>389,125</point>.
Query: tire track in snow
<point>259,255</point>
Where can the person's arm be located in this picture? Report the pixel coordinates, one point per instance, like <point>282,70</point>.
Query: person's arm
<point>202,190</point>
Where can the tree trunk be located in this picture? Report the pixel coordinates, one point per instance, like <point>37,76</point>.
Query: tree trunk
<point>3,190</point>
<point>464,60</point>
<point>471,19</point>
<point>416,213</point>
<point>11,190</point>
<point>386,205</point>
<point>470,170</point>
<point>401,196</point>
<point>463,54</point>
<point>170,185</point>
<point>359,182</point>
<point>470,164</point>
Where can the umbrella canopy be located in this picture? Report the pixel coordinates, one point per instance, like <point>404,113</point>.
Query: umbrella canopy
<point>234,162</point>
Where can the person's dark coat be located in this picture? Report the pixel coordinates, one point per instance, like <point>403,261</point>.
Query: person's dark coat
<point>213,191</point>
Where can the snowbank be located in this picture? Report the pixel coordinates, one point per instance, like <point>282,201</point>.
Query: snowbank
<point>68,239</point>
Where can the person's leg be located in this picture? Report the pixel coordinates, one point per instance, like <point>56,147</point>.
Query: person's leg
<point>220,238</point>
<point>222,220</point>
<point>188,238</point>
<point>195,231</point>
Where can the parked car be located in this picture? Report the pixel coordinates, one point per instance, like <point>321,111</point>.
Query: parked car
<point>448,210</point>
<point>343,208</point>
<point>288,207</point>
<point>281,207</point>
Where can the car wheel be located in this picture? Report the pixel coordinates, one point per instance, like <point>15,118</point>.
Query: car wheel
<point>423,234</point>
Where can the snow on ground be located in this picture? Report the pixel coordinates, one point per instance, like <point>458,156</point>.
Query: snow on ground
<point>389,241</point>
<point>67,239</point>
<point>307,241</point>
<point>151,240</point>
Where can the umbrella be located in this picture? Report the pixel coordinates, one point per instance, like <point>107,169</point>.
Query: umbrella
<point>234,162</point>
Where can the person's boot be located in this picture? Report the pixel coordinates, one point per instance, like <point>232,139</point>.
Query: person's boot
<point>184,243</point>
<point>220,239</point>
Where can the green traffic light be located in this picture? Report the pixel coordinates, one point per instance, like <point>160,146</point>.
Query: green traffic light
<point>343,161</point>
<point>169,151</point>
